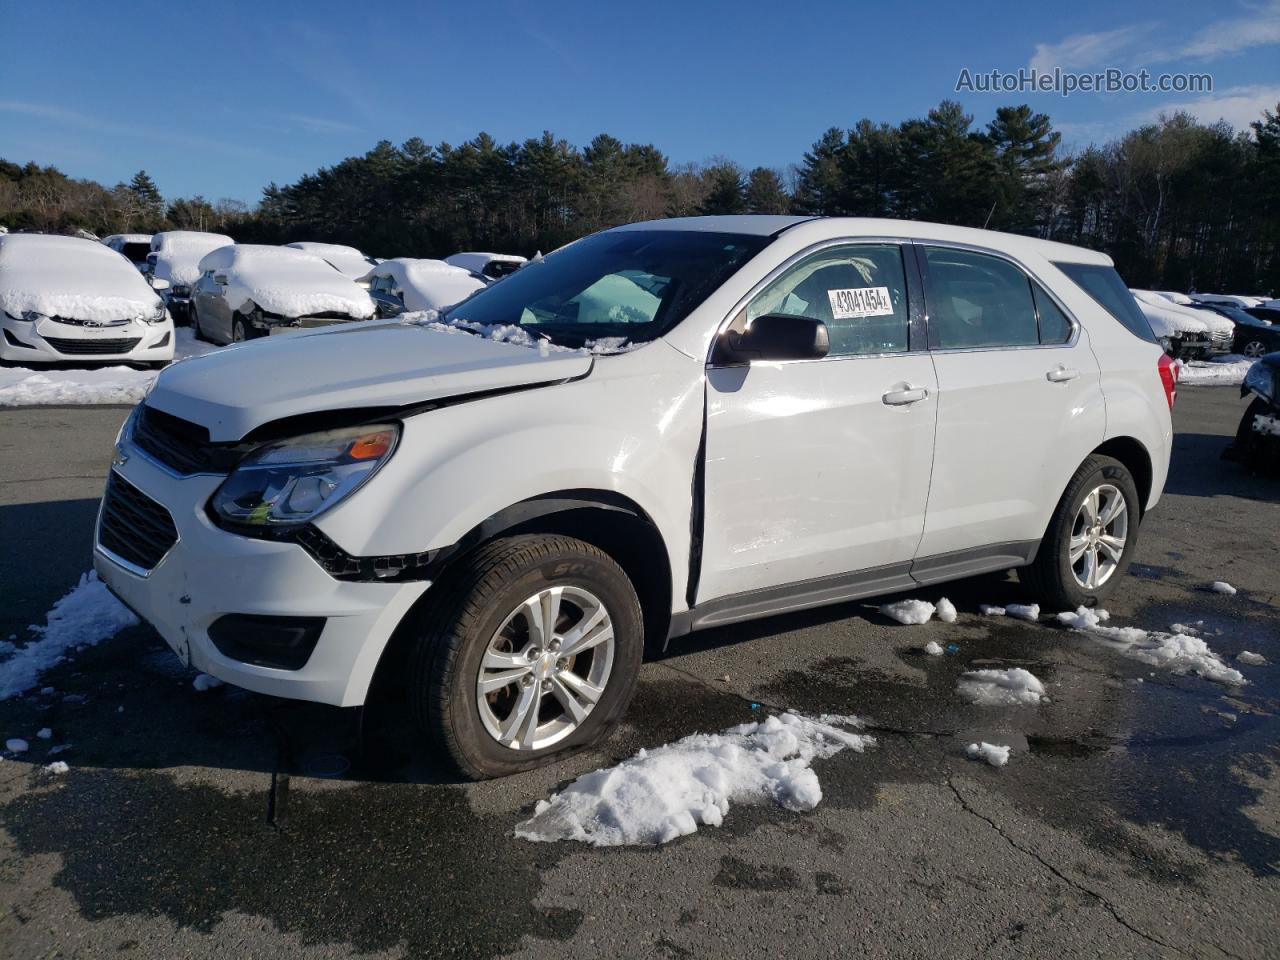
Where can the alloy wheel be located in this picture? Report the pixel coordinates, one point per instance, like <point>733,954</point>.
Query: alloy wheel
<point>545,668</point>
<point>1254,349</point>
<point>1098,536</point>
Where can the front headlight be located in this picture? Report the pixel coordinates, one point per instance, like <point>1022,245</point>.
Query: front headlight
<point>31,316</point>
<point>158,315</point>
<point>290,482</point>
<point>1261,379</point>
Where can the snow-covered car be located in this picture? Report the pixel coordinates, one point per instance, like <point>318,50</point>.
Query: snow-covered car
<point>71,300</point>
<point>1185,331</point>
<point>497,519</point>
<point>1230,299</point>
<point>174,263</point>
<point>133,246</point>
<point>348,261</point>
<point>408,284</point>
<point>249,290</point>
<point>487,266</point>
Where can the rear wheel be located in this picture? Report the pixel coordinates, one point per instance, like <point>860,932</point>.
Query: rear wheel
<point>1254,349</point>
<point>1091,537</point>
<point>530,650</point>
<point>239,331</point>
<point>194,315</point>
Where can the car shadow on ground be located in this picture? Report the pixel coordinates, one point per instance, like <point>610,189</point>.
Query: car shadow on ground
<point>1202,472</point>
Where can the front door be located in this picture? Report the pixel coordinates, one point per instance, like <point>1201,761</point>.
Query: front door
<point>820,468</point>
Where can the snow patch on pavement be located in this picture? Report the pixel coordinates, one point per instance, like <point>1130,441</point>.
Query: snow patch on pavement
<point>1001,688</point>
<point>1179,652</point>
<point>946,611</point>
<point>933,649</point>
<point>1024,611</point>
<point>910,612</point>
<point>987,610</point>
<point>1221,586</point>
<point>30,386</point>
<point>16,745</point>
<point>1253,659</point>
<point>665,793</point>
<point>993,754</point>
<point>87,615</point>
<point>58,766</point>
<point>204,682</point>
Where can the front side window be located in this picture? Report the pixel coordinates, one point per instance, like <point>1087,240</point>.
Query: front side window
<point>977,301</point>
<point>635,284</point>
<point>859,291</point>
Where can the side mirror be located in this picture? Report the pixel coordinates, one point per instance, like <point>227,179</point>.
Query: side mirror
<point>775,336</point>
<point>159,283</point>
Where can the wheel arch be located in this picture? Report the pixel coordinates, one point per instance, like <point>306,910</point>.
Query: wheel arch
<point>611,521</point>
<point>1137,460</point>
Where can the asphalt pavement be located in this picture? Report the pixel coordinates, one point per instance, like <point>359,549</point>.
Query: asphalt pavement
<point>1138,816</point>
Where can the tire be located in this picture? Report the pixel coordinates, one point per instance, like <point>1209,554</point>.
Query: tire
<point>194,316</point>
<point>1253,349</point>
<point>480,611</point>
<point>1053,579</point>
<point>239,332</point>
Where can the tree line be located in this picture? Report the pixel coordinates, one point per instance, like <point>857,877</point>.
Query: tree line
<point>1177,203</point>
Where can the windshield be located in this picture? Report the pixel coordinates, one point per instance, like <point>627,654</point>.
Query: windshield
<point>136,252</point>
<point>634,284</point>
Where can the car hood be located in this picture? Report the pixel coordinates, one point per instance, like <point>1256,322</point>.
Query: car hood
<point>236,389</point>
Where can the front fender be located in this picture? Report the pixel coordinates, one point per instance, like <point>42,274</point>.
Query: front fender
<point>635,435</point>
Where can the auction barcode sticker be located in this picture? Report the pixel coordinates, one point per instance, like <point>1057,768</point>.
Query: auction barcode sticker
<point>860,302</point>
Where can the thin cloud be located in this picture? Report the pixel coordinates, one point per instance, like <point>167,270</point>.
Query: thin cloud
<point>1238,106</point>
<point>83,121</point>
<point>1082,51</point>
<point>1259,29</point>
<point>321,125</point>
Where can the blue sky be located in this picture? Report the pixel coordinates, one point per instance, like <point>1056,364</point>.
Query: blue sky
<point>222,98</point>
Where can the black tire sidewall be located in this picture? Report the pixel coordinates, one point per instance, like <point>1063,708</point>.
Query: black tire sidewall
<point>1103,470</point>
<point>458,713</point>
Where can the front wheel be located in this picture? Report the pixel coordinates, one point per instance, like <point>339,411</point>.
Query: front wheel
<point>1090,540</point>
<point>1254,349</point>
<point>531,650</point>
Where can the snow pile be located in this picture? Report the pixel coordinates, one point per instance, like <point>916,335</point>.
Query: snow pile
<point>1221,586</point>
<point>988,610</point>
<point>995,755</point>
<point>1253,659</point>
<point>82,618</point>
<point>1024,611</point>
<point>44,733</point>
<point>1178,652</point>
<point>1228,371</point>
<point>16,745</point>
<point>946,611</point>
<point>178,253</point>
<point>57,767</point>
<point>514,333</point>
<point>665,793</point>
<point>427,284</point>
<point>933,649</point>
<point>66,277</point>
<point>286,282</point>
<point>1001,688</point>
<point>204,682</point>
<point>348,261</point>
<point>909,611</point>
<point>26,386</point>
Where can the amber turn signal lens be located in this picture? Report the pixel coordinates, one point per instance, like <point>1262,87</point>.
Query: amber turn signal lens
<point>371,445</point>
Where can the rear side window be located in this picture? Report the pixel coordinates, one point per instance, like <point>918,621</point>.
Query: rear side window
<point>977,301</point>
<point>1104,285</point>
<point>1054,325</point>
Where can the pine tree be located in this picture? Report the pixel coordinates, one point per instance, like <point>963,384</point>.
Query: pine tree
<point>145,191</point>
<point>725,193</point>
<point>765,192</point>
<point>820,181</point>
<point>1025,146</point>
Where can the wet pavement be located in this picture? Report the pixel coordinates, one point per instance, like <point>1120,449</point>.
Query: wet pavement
<point>1139,814</point>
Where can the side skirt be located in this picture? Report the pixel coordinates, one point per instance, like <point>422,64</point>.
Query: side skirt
<point>840,588</point>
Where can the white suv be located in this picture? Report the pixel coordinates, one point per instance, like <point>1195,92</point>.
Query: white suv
<point>660,428</point>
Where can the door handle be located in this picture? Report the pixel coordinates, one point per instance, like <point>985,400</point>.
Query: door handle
<point>1061,374</point>
<point>904,396</point>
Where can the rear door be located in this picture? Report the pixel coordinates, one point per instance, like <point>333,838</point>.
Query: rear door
<point>1019,407</point>
<point>819,468</point>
